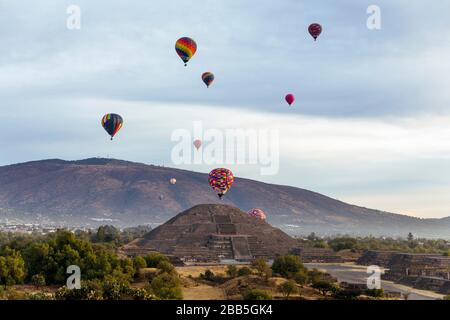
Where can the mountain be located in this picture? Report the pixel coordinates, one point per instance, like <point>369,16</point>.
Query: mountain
<point>212,232</point>
<point>99,191</point>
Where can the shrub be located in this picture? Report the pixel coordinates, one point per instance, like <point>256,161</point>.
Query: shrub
<point>244,271</point>
<point>287,266</point>
<point>256,294</point>
<point>153,259</point>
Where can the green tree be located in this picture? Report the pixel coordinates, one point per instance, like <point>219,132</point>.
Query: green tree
<point>38,280</point>
<point>232,271</point>
<point>410,237</point>
<point>107,234</point>
<point>139,263</point>
<point>167,267</point>
<point>154,258</point>
<point>287,266</point>
<point>244,271</point>
<point>12,268</point>
<point>167,287</point>
<point>287,288</point>
<point>376,293</point>
<point>256,294</point>
<point>324,287</point>
<point>342,243</point>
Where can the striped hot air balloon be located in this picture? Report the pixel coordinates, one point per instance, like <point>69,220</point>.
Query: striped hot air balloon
<point>315,30</point>
<point>208,78</point>
<point>112,123</point>
<point>185,48</point>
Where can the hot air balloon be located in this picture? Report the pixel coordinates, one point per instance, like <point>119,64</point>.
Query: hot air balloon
<point>290,98</point>
<point>257,213</point>
<point>197,144</point>
<point>173,181</point>
<point>220,180</point>
<point>112,123</point>
<point>315,30</point>
<point>161,197</point>
<point>208,78</point>
<point>185,48</point>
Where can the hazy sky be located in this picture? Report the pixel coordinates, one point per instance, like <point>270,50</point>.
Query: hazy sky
<point>371,121</point>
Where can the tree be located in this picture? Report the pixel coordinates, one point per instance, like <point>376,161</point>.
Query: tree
<point>167,286</point>
<point>301,277</point>
<point>410,237</point>
<point>262,267</point>
<point>324,287</point>
<point>256,294</point>
<point>208,275</point>
<point>38,280</point>
<point>287,288</point>
<point>342,243</point>
<point>167,267</point>
<point>139,263</point>
<point>287,266</point>
<point>107,234</point>
<point>12,268</point>
<point>447,297</point>
<point>376,293</point>
<point>154,258</point>
<point>244,271</point>
<point>232,271</point>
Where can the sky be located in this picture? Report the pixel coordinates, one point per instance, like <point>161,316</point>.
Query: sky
<point>370,125</point>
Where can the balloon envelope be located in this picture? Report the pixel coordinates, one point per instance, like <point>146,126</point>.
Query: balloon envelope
<point>257,213</point>
<point>197,144</point>
<point>173,181</point>
<point>315,30</point>
<point>208,78</point>
<point>185,48</point>
<point>221,180</point>
<point>112,123</point>
<point>290,98</point>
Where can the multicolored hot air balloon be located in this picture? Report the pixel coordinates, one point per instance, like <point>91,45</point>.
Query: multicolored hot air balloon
<point>221,180</point>
<point>257,213</point>
<point>290,98</point>
<point>173,181</point>
<point>112,123</point>
<point>185,48</point>
<point>315,30</point>
<point>197,144</point>
<point>208,78</point>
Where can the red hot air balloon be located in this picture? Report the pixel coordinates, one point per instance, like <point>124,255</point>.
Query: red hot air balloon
<point>315,30</point>
<point>197,144</point>
<point>290,98</point>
